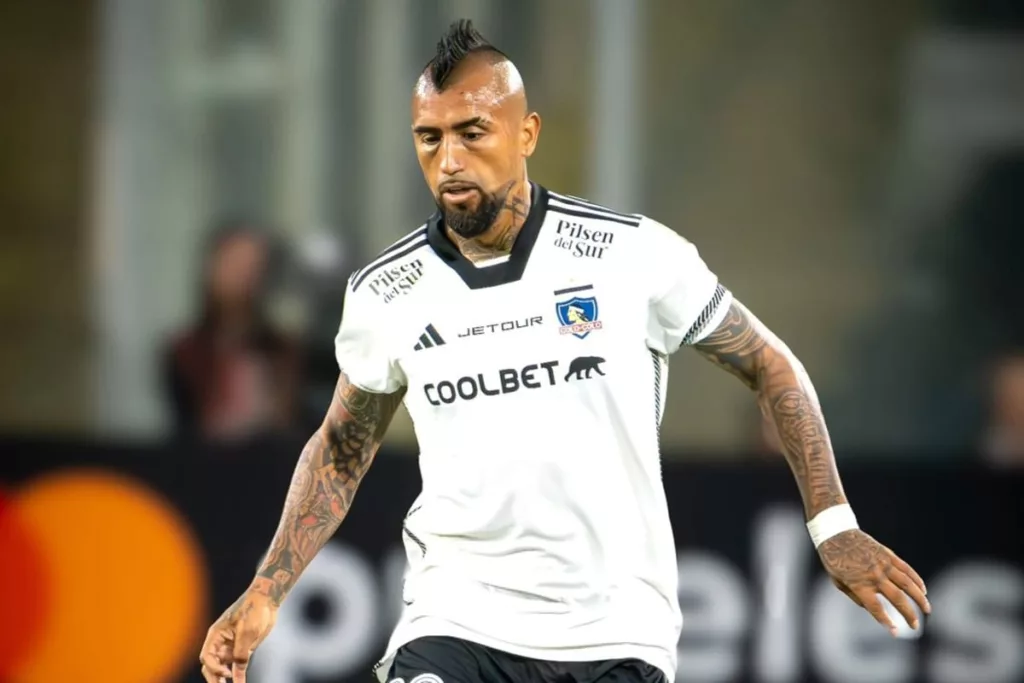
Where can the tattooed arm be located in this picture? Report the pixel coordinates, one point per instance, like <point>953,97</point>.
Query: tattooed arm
<point>743,346</point>
<point>857,563</point>
<point>328,473</point>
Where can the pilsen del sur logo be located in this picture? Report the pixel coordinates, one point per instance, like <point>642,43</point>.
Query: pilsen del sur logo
<point>391,283</point>
<point>581,241</point>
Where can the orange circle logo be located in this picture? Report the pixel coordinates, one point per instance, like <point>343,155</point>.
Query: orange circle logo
<point>101,580</point>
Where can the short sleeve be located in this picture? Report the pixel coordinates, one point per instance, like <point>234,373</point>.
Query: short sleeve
<point>361,346</point>
<point>687,302</point>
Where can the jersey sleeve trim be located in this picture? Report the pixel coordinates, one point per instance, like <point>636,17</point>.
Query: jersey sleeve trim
<point>402,247</point>
<point>363,346</point>
<point>710,317</point>
<point>581,208</point>
<point>369,390</point>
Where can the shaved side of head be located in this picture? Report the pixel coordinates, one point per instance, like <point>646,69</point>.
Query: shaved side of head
<point>491,83</point>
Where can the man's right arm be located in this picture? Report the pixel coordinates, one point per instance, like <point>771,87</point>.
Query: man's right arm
<point>329,471</point>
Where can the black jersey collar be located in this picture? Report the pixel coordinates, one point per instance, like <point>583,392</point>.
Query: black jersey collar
<point>502,273</point>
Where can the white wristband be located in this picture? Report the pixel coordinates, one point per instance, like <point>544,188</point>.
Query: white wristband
<point>831,521</point>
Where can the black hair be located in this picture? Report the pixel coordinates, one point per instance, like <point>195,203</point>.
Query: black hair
<point>219,235</point>
<point>461,40</point>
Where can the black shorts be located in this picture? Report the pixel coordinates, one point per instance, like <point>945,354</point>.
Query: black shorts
<point>440,659</point>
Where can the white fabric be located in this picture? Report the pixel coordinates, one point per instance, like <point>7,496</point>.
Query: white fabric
<point>830,522</point>
<point>542,528</point>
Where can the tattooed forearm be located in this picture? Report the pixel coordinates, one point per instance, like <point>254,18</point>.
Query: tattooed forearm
<point>324,484</point>
<point>743,346</point>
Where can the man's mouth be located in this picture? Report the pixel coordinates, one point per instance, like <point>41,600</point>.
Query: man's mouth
<point>458,192</point>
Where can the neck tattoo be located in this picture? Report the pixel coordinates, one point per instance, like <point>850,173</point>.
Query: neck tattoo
<point>498,241</point>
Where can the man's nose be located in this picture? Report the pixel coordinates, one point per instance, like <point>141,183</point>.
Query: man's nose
<point>451,157</point>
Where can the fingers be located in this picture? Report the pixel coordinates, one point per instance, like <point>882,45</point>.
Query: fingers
<point>214,670</point>
<point>211,677</point>
<point>900,601</point>
<point>869,600</point>
<point>909,571</point>
<point>245,642</point>
<point>846,591</point>
<point>214,656</point>
<point>911,587</point>
<point>226,657</point>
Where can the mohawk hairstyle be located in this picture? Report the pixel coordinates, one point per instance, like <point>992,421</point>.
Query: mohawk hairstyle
<point>461,40</point>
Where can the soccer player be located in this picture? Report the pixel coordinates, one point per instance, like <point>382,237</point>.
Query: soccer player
<point>528,333</point>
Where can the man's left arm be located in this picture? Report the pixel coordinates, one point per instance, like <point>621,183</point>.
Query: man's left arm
<point>859,565</point>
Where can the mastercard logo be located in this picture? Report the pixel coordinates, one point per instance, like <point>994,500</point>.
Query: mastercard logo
<point>101,579</point>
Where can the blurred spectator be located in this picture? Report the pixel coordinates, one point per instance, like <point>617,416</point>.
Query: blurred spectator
<point>234,374</point>
<point>1004,437</point>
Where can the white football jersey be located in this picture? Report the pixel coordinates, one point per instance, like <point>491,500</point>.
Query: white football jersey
<point>536,385</point>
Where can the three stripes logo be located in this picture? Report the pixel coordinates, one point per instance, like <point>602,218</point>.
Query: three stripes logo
<point>429,339</point>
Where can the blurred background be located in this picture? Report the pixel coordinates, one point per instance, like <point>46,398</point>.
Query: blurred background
<point>185,186</point>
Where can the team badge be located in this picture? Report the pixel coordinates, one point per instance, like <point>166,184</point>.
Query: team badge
<point>579,314</point>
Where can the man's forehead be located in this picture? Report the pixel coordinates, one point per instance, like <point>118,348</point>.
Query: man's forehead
<point>456,104</point>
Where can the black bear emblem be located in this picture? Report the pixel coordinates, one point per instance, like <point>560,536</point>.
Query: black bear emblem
<point>583,366</point>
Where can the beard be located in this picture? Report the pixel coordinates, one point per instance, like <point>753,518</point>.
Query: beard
<point>469,223</point>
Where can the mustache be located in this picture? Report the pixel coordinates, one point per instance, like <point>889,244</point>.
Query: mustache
<point>455,185</point>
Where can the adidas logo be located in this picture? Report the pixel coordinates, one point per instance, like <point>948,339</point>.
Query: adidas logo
<point>429,339</point>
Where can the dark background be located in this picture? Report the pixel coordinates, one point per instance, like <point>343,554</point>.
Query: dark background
<point>739,528</point>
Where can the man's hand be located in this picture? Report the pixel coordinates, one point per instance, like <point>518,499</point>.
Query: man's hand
<point>858,565</point>
<point>232,639</point>
<point>323,486</point>
<point>863,568</point>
